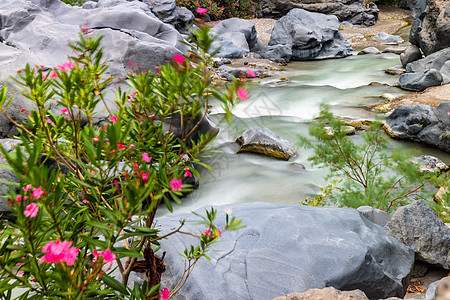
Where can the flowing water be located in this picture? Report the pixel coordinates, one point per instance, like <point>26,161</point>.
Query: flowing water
<point>287,107</point>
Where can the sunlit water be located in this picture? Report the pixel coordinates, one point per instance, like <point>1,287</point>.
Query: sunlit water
<point>287,108</point>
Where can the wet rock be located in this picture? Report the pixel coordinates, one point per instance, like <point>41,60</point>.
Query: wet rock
<point>352,11</point>
<point>412,53</point>
<point>388,39</point>
<point>289,248</point>
<point>421,123</point>
<point>264,141</point>
<point>417,226</point>
<point>329,293</point>
<point>429,164</point>
<point>396,50</point>
<point>431,28</point>
<point>310,36</point>
<point>369,50</point>
<point>396,70</point>
<point>277,53</point>
<point>420,81</point>
<point>374,215</point>
<point>390,96</point>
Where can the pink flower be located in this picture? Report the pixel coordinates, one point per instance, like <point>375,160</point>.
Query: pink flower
<point>145,176</point>
<point>37,193</point>
<point>95,139</point>
<point>448,113</point>
<point>31,210</point>
<point>146,157</point>
<point>121,146</point>
<point>165,294</point>
<point>251,73</point>
<point>106,255</point>
<point>113,119</point>
<point>49,121</point>
<point>27,188</point>
<point>201,10</point>
<point>64,110</point>
<point>176,185</point>
<point>53,74</point>
<point>187,173</point>
<point>179,59</point>
<point>59,251</point>
<point>242,93</point>
<point>66,66</point>
<point>18,198</point>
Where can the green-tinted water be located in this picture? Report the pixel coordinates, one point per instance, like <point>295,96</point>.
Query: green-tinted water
<point>287,107</point>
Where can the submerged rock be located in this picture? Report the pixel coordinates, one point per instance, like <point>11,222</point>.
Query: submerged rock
<point>308,36</point>
<point>264,141</point>
<point>369,50</point>
<point>289,248</point>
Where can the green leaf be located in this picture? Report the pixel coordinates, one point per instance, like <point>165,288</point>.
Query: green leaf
<point>114,284</point>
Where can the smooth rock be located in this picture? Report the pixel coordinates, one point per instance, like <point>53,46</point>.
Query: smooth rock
<point>374,215</point>
<point>420,81</point>
<point>388,39</point>
<point>264,141</point>
<point>442,291</point>
<point>395,50</point>
<point>438,61</point>
<point>412,53</point>
<point>165,10</point>
<point>329,293</point>
<point>431,291</point>
<point>310,36</point>
<point>421,123</point>
<point>352,11</point>
<point>390,96</point>
<point>277,53</point>
<point>285,249</point>
<point>417,226</point>
<point>369,50</point>
<point>396,70</point>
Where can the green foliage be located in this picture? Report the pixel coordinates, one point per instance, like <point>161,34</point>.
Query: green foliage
<point>222,9</point>
<point>371,176</point>
<point>74,2</point>
<point>97,187</point>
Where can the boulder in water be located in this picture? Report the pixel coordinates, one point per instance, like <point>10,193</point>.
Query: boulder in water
<point>264,141</point>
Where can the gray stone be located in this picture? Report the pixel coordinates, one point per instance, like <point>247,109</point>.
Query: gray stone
<point>369,50</point>
<point>285,249</point>
<point>264,141</point>
<point>352,11</point>
<point>417,226</point>
<point>6,175</point>
<point>429,164</point>
<point>277,53</point>
<point>185,20</point>
<point>437,61</point>
<point>396,50</point>
<point>412,53</point>
<point>225,48</point>
<point>431,290</point>
<point>431,28</point>
<point>420,81</point>
<point>165,10</point>
<point>310,36</point>
<point>442,291</point>
<point>329,293</point>
<point>346,23</point>
<point>421,123</point>
<point>388,38</point>
<point>375,215</point>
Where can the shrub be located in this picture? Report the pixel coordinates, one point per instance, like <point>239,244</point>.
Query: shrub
<point>371,176</point>
<point>222,9</point>
<point>88,192</point>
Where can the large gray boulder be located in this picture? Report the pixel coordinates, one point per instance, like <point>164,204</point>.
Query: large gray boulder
<point>438,61</point>
<point>412,53</point>
<point>37,32</point>
<point>431,28</point>
<point>285,249</point>
<point>310,36</point>
<point>352,11</point>
<point>421,123</point>
<point>421,80</point>
<point>240,33</point>
<point>417,226</point>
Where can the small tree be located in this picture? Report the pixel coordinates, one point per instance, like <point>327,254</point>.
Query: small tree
<point>371,175</point>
